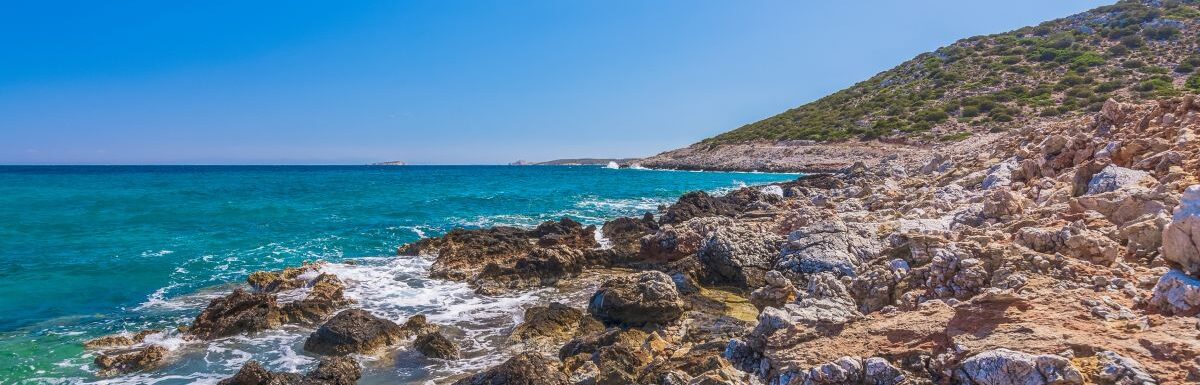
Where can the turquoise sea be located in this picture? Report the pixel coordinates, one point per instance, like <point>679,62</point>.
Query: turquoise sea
<point>93,250</point>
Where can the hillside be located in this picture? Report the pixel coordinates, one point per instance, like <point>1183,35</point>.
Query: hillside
<point>1131,51</point>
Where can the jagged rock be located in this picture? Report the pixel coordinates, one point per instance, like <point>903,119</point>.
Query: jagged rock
<point>119,340</point>
<point>625,234</point>
<point>675,241</point>
<point>129,360</point>
<point>1121,370</point>
<point>1177,293</point>
<point>1073,239</point>
<point>461,254</point>
<point>1181,238</point>
<point>592,343</point>
<point>697,204</point>
<point>236,313</point>
<point>522,369</point>
<point>739,255</point>
<point>645,298</point>
<point>355,331</point>
<point>326,293</point>
<point>1000,175</point>
<point>543,266</point>
<point>436,345</point>
<point>286,279</point>
<point>1007,367</point>
<point>778,291</point>
<point>828,247</point>
<point>550,326</point>
<point>1002,203</point>
<point>1113,178</point>
<point>954,272</point>
<point>875,288</point>
<point>847,371</point>
<point>331,371</point>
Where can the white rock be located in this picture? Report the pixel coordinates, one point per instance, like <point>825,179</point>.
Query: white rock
<point>1181,238</point>
<point>1113,178</point>
<point>1177,293</point>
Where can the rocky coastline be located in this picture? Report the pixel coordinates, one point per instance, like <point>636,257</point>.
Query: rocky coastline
<point>1062,253</point>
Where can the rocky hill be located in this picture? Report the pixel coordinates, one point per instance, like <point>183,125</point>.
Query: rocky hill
<point>1131,51</point>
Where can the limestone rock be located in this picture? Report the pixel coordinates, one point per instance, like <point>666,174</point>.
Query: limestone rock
<point>1177,293</point>
<point>331,371</point>
<point>1113,178</point>
<point>1121,370</point>
<point>1007,367</point>
<point>547,327</point>
<point>645,298</point>
<point>625,233</point>
<point>236,313</point>
<point>1181,238</point>
<point>777,291</point>
<point>739,255</point>
<point>129,360</point>
<point>828,247</point>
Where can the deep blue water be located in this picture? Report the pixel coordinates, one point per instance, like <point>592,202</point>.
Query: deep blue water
<point>91,250</point>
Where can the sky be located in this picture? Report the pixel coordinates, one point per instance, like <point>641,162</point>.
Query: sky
<point>440,81</point>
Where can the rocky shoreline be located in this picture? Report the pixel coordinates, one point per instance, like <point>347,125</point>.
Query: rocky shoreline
<point>1063,253</point>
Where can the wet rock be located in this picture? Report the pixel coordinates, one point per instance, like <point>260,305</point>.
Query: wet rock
<point>547,327</point>
<point>331,371</point>
<point>286,279</point>
<point>326,294</point>
<point>436,345</point>
<point>355,331</point>
<point>1177,293</point>
<point>236,313</point>
<point>462,252</point>
<point>625,234</point>
<point>523,369</point>
<point>540,267</point>
<point>565,232</point>
<point>122,361</point>
<point>739,255</point>
<point>645,298</point>
<point>1007,367</point>
<point>1181,238</point>
<point>119,340</point>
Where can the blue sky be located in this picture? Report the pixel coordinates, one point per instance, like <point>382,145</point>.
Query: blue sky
<point>444,82</point>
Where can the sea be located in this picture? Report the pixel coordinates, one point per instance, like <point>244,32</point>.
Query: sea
<point>87,251</point>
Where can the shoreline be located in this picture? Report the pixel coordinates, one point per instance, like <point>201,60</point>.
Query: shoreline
<point>1049,249</point>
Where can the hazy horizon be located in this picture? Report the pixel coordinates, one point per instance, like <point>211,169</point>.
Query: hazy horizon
<point>440,82</point>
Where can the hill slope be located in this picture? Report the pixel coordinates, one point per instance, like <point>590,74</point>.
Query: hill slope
<point>1130,51</point>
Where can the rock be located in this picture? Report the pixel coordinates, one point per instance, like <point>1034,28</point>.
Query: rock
<point>1117,369</point>
<point>287,279</point>
<point>436,345</point>
<point>1177,293</point>
<point>1181,237</point>
<point>129,360</point>
<point>878,371</point>
<point>739,255</point>
<point>825,301</point>
<point>119,340</point>
<point>777,291</point>
<point>1000,175</point>
<point>236,313</point>
<point>1007,367</point>
<point>331,371</point>
<point>1002,203</point>
<point>542,266</point>
<point>828,247</point>
<point>523,369</point>
<point>676,241</point>
<point>354,331</point>
<point>548,327</point>
<point>645,298</point>
<point>625,234</point>
<point>1113,178</point>
<point>565,232</point>
<point>697,204</point>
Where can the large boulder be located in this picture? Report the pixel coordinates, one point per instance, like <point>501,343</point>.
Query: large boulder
<point>236,313</point>
<point>523,369</point>
<point>436,345</point>
<point>331,371</point>
<point>625,234</point>
<point>828,247</point>
<point>698,204</point>
<point>129,360</point>
<point>848,370</point>
<point>645,298</point>
<point>548,327</point>
<point>355,331</point>
<point>1007,367</point>
<point>1177,293</point>
<point>739,255</point>
<point>542,266</point>
<point>1113,178</point>
<point>1181,237</point>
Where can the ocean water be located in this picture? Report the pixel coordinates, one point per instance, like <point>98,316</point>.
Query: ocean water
<point>87,251</point>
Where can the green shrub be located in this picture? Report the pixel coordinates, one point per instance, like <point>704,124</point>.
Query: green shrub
<point>1193,82</point>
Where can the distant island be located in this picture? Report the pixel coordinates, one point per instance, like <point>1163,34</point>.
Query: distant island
<point>392,163</point>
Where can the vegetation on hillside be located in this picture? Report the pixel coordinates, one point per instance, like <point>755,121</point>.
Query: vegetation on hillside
<point>1130,51</point>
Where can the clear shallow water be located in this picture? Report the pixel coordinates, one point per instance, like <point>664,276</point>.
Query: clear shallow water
<point>88,251</point>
